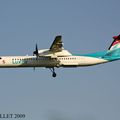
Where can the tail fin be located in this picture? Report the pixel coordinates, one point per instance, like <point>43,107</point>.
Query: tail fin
<point>116,43</point>
<point>114,49</point>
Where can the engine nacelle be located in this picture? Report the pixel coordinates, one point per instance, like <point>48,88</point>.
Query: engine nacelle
<point>43,52</point>
<point>47,52</point>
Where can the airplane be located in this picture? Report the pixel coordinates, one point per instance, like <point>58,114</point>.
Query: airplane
<point>56,56</point>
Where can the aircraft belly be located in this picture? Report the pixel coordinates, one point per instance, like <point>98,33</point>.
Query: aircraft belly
<point>87,61</point>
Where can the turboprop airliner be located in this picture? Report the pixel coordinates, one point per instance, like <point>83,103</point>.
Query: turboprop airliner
<point>56,56</point>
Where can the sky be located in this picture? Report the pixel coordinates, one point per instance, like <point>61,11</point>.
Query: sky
<point>86,26</point>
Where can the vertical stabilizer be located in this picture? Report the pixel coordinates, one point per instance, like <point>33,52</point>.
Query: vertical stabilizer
<point>116,43</point>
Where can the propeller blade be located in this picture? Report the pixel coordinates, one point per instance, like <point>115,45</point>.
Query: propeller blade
<point>33,68</point>
<point>36,51</point>
<point>36,48</point>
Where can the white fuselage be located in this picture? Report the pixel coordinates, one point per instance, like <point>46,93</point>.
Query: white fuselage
<point>32,61</point>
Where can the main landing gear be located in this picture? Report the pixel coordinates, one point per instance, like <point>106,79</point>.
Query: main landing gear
<point>53,72</point>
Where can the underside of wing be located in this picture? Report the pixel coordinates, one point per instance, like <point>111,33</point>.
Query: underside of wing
<point>57,44</point>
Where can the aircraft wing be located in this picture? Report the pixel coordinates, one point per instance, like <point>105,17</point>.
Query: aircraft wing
<point>57,44</point>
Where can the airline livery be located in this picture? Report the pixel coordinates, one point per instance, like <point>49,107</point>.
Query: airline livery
<point>57,56</point>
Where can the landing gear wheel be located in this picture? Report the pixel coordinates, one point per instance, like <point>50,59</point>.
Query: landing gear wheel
<point>54,74</point>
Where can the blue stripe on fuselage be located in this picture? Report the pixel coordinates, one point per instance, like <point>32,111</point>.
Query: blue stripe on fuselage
<point>96,55</point>
<point>107,55</point>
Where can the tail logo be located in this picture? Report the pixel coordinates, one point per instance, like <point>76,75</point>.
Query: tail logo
<point>116,43</point>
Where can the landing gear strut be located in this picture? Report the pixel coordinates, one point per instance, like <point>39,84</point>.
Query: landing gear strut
<point>53,72</point>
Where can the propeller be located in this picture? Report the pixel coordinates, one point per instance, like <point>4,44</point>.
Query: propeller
<point>36,51</point>
<point>33,68</point>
